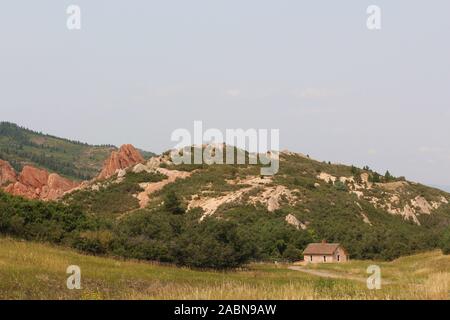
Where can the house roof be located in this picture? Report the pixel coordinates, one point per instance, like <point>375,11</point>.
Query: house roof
<point>321,248</point>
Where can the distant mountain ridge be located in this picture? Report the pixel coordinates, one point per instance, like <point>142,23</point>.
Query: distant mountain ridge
<point>72,159</point>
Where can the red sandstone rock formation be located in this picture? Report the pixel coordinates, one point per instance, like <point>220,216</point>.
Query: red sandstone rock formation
<point>125,157</point>
<point>33,183</point>
<point>33,177</point>
<point>56,187</point>
<point>7,173</point>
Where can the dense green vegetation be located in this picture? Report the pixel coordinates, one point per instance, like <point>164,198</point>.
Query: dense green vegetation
<point>73,159</point>
<point>158,235</point>
<point>445,241</point>
<point>43,221</point>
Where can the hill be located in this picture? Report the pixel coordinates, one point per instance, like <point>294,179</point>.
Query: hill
<point>72,159</point>
<point>423,276</point>
<point>374,216</point>
<point>223,216</point>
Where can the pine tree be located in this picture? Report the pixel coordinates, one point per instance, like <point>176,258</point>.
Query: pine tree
<point>387,176</point>
<point>172,204</point>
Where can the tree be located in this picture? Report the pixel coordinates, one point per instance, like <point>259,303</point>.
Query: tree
<point>172,204</point>
<point>281,246</point>
<point>292,253</point>
<point>387,176</point>
<point>213,244</point>
<point>445,242</point>
<point>375,177</point>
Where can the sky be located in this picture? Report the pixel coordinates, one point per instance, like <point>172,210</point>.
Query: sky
<point>138,70</point>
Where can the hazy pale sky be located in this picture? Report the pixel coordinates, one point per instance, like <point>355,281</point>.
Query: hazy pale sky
<point>137,70</point>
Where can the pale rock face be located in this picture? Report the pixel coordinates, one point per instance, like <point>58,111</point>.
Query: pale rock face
<point>359,194</point>
<point>422,204</point>
<point>395,199</point>
<point>154,163</point>
<point>346,180</point>
<point>292,220</point>
<point>140,168</point>
<point>272,197</point>
<point>326,177</point>
<point>267,195</point>
<point>290,153</point>
<point>121,173</point>
<point>125,157</point>
<point>365,177</point>
<point>406,212</point>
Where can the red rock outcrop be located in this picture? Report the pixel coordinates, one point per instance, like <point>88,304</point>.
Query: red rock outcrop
<point>7,173</point>
<point>33,183</point>
<point>33,177</point>
<point>56,187</point>
<point>125,157</point>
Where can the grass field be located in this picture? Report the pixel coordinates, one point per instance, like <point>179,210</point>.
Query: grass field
<point>38,271</point>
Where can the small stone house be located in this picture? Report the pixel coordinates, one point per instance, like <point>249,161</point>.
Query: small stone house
<point>325,253</point>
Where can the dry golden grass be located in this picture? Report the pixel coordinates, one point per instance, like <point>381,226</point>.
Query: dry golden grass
<point>37,271</point>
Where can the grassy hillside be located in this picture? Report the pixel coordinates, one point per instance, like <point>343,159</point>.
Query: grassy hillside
<point>73,159</point>
<point>36,271</point>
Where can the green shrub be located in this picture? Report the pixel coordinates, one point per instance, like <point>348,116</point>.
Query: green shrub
<point>445,242</point>
<point>172,204</point>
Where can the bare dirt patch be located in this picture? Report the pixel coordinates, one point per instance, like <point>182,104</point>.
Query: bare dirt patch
<point>152,187</point>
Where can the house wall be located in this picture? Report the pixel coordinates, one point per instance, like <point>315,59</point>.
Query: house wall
<point>342,255</point>
<point>319,258</point>
<point>329,258</point>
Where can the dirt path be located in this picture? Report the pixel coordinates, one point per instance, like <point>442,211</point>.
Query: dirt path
<point>332,275</point>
